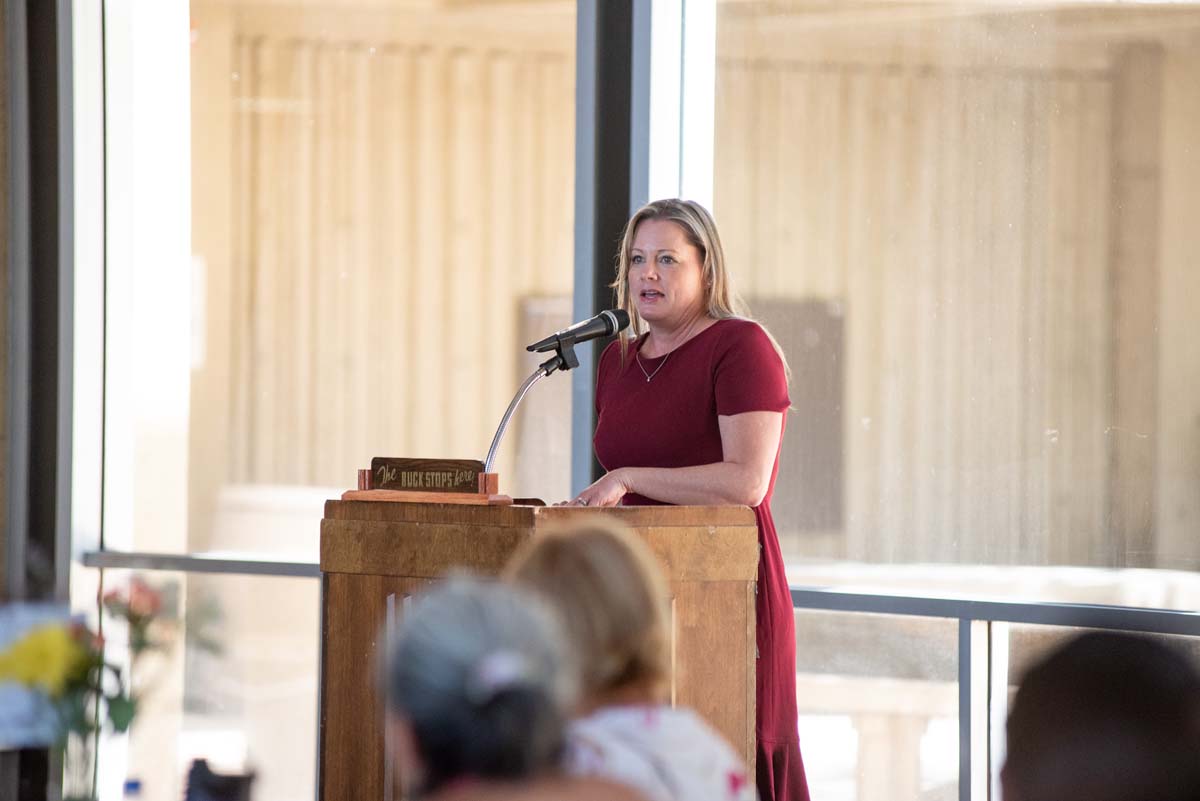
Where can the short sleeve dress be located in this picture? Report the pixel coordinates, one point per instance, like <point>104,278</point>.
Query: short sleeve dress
<point>671,421</point>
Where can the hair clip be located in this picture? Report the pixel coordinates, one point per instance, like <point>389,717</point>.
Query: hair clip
<point>494,673</point>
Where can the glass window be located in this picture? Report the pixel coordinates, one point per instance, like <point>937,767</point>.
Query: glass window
<point>331,229</point>
<point>968,226</point>
<point>234,683</point>
<point>878,703</point>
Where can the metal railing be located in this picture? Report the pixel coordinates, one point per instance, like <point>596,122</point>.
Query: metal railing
<point>977,620</point>
<point>200,563</point>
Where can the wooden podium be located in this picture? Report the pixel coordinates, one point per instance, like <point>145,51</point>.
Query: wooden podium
<point>374,555</point>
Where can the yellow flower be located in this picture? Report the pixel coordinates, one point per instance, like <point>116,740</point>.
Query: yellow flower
<point>47,657</point>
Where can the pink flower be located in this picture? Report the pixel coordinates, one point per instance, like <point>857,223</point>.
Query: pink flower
<point>737,780</point>
<point>144,600</point>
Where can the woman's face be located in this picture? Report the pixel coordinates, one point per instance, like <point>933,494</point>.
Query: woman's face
<point>666,278</point>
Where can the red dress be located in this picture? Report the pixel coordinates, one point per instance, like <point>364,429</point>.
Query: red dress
<point>671,421</point>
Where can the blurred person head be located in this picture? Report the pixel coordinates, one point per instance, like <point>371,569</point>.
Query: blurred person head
<point>1106,717</point>
<point>478,686</point>
<point>612,597</point>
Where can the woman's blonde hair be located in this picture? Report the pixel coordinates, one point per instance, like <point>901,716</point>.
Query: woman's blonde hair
<point>721,300</point>
<point>611,594</point>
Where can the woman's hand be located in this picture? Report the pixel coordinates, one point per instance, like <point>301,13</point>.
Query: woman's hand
<point>608,491</point>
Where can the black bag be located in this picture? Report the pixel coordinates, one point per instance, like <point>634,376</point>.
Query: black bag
<point>204,785</point>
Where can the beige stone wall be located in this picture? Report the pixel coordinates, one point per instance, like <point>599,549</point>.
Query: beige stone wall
<point>993,200</point>
<point>375,192</point>
<point>1177,466</point>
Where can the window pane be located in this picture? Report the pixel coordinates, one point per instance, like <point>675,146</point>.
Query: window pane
<point>968,225</point>
<point>878,703</point>
<point>332,229</point>
<point>236,686</point>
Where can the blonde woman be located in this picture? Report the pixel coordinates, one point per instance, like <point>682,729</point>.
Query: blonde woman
<point>691,406</point>
<point>612,599</point>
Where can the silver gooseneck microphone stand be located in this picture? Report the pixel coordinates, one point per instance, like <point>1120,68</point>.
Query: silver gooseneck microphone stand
<point>564,358</point>
<point>606,323</point>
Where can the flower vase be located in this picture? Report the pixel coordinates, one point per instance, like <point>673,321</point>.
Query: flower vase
<point>79,767</point>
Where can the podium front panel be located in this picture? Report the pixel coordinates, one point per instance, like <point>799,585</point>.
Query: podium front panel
<point>375,555</point>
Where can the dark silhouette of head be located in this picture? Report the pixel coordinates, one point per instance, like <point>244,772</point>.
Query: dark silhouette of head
<point>1106,717</point>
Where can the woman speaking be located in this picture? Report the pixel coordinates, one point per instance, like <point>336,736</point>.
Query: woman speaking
<point>691,402</point>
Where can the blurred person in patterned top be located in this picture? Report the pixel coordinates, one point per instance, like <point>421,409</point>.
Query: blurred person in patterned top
<point>613,601</point>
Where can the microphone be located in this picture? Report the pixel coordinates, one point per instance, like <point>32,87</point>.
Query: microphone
<point>604,324</point>
<point>563,343</point>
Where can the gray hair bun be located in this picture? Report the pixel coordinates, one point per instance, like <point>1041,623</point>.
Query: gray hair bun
<point>478,668</point>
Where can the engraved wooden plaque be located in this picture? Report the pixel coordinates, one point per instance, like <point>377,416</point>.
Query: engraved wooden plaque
<point>426,475</point>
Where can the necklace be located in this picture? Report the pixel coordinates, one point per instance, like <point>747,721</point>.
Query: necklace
<point>637,357</point>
